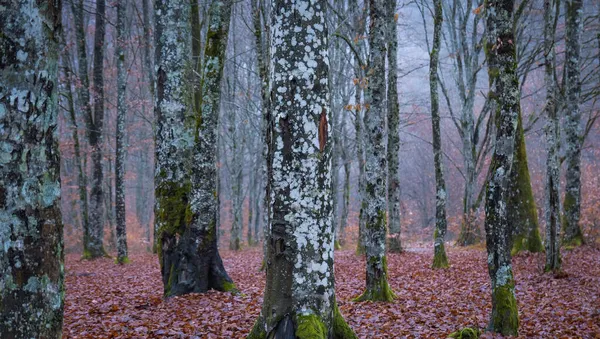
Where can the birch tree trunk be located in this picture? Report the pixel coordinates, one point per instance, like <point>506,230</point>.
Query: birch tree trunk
<point>552,195</point>
<point>299,299</point>
<point>122,257</point>
<point>500,47</point>
<point>440,260</point>
<point>374,201</point>
<point>95,135</point>
<point>31,231</point>
<point>393,132</point>
<point>573,130</point>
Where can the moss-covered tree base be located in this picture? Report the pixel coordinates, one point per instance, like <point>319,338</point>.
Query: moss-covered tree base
<point>466,333</point>
<point>91,255</point>
<point>574,242</point>
<point>532,243</point>
<point>309,326</point>
<point>469,235</point>
<point>381,292</point>
<point>360,249</point>
<point>337,245</point>
<point>394,245</point>
<point>505,316</point>
<point>122,261</point>
<point>440,259</point>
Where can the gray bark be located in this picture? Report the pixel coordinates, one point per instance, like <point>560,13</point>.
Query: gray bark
<point>552,195</point>
<point>374,201</point>
<point>31,231</point>
<point>95,125</point>
<point>120,138</point>
<point>573,129</point>
<point>89,245</point>
<point>504,91</point>
<point>299,296</point>
<point>440,260</point>
<point>393,133</point>
<point>187,207</point>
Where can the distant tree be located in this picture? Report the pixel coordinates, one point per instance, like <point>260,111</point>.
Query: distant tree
<point>552,196</point>
<point>374,201</point>
<point>31,229</point>
<point>120,138</point>
<point>500,47</point>
<point>440,260</point>
<point>95,126</point>
<point>574,134</point>
<point>299,297</point>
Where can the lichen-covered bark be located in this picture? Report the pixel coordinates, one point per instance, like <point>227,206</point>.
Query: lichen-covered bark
<point>552,196</point>
<point>374,201</point>
<point>440,260</point>
<point>522,211</point>
<point>187,250</point>
<point>31,230</point>
<point>95,125</point>
<point>572,204</point>
<point>504,91</point>
<point>299,299</point>
<point>393,132</point>
<point>120,138</point>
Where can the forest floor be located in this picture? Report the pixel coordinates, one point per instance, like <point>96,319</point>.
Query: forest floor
<point>104,300</point>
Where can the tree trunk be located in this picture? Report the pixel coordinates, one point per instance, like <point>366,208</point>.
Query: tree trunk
<point>187,253</point>
<point>393,146</point>
<point>374,207</point>
<point>237,154</point>
<point>149,71</point>
<point>440,260</point>
<point>299,299</point>
<point>90,248</point>
<point>522,211</point>
<point>31,236</point>
<point>120,138</point>
<point>504,90</point>
<point>81,175</point>
<point>572,203</point>
<point>95,135</point>
<point>552,195</point>
<point>346,185</point>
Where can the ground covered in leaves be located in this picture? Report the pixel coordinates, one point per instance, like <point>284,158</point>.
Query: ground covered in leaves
<point>104,300</point>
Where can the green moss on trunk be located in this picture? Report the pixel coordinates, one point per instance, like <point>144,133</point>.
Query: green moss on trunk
<point>341,330</point>
<point>505,316</point>
<point>310,326</point>
<point>380,289</point>
<point>440,260</point>
<point>258,330</point>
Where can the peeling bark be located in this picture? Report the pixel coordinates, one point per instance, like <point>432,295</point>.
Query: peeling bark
<point>31,230</point>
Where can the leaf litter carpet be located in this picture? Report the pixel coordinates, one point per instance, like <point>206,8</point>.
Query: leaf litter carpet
<point>104,300</point>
